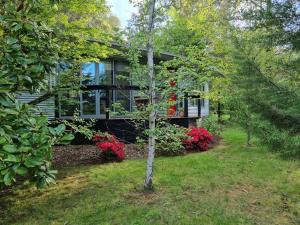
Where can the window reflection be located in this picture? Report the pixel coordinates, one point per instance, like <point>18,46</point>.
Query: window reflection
<point>89,74</point>
<point>105,73</point>
<point>95,103</point>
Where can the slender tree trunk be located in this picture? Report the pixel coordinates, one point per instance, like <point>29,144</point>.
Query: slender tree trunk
<point>152,117</point>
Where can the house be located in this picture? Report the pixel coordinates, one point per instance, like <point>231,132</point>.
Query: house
<point>102,89</point>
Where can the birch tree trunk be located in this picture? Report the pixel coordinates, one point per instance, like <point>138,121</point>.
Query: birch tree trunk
<point>152,117</point>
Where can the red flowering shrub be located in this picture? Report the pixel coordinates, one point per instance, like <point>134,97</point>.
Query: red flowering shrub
<point>110,146</point>
<point>198,140</point>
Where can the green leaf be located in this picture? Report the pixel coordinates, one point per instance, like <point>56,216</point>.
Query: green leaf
<point>25,149</point>
<point>28,79</point>
<point>5,100</point>
<point>52,173</point>
<point>66,138</point>
<point>60,129</point>
<point>28,26</point>
<point>8,178</point>
<point>3,170</point>
<point>12,158</point>
<point>37,68</point>
<point>11,111</point>
<point>32,121</point>
<point>50,180</point>
<point>21,170</point>
<point>32,162</point>
<point>26,135</point>
<point>11,40</point>
<point>52,131</point>
<point>17,27</point>
<point>2,140</point>
<point>10,148</point>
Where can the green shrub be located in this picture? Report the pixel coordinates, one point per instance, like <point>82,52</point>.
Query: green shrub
<point>81,126</point>
<point>212,125</point>
<point>26,142</point>
<point>168,139</point>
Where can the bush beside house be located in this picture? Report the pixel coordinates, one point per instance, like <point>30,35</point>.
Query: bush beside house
<point>172,140</point>
<point>111,148</point>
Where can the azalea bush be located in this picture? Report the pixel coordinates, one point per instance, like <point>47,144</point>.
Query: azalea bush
<point>198,140</point>
<point>111,148</point>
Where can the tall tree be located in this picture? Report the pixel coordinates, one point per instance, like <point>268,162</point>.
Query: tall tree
<point>152,117</point>
<point>151,14</point>
<point>264,40</point>
<point>266,55</point>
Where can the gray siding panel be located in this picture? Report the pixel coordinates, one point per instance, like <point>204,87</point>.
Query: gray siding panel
<point>47,106</point>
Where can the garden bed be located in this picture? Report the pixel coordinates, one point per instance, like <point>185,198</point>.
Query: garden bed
<point>171,141</point>
<point>71,155</point>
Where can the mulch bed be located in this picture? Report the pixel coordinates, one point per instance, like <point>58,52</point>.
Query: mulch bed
<point>71,155</point>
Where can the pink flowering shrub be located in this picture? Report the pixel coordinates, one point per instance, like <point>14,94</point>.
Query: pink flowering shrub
<point>198,140</point>
<point>110,146</point>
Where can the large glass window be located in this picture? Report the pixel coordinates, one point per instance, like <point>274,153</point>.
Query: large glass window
<point>94,103</point>
<point>97,73</point>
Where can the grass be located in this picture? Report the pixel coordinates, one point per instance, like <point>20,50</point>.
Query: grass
<point>231,184</point>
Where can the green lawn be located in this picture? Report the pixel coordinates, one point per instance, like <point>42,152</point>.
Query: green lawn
<point>231,184</point>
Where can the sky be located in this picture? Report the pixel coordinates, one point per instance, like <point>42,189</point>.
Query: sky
<point>122,9</point>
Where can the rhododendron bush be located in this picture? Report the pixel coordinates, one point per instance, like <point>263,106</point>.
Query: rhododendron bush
<point>110,146</point>
<point>198,140</point>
